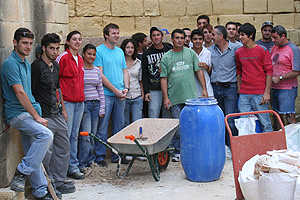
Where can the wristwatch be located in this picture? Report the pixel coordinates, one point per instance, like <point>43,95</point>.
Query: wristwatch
<point>127,88</point>
<point>280,77</point>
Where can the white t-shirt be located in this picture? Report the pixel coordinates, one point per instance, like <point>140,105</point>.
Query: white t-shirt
<point>205,56</point>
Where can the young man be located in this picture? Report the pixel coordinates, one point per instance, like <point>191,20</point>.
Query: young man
<point>223,75</point>
<point>151,73</point>
<point>44,85</point>
<point>187,41</point>
<point>201,21</point>
<point>254,76</point>
<point>286,65</point>
<point>232,32</point>
<point>178,67</point>
<point>24,113</point>
<point>111,61</point>
<point>204,57</point>
<point>142,43</point>
<point>266,39</point>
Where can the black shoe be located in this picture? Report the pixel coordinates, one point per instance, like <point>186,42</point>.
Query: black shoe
<point>123,161</point>
<point>66,189</point>
<point>102,163</point>
<point>69,182</point>
<point>18,181</point>
<point>57,193</point>
<point>46,197</point>
<point>77,176</point>
<point>82,170</point>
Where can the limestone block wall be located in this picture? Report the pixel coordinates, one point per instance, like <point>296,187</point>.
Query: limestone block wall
<point>41,17</point>
<point>90,16</point>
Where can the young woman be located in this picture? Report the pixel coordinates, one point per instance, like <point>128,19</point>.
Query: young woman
<point>94,106</point>
<point>134,98</point>
<point>208,39</point>
<point>71,84</point>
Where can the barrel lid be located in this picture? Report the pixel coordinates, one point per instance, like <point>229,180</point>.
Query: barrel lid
<point>201,101</point>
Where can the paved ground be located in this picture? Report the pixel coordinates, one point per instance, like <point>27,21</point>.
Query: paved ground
<point>102,183</point>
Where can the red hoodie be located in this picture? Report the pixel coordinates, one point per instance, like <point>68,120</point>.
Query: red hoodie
<point>71,77</point>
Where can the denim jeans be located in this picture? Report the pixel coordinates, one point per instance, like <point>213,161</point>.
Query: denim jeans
<point>227,100</point>
<point>176,110</point>
<point>155,105</point>
<point>283,100</point>
<point>135,107</point>
<point>116,108</point>
<point>89,123</point>
<point>36,139</point>
<point>248,103</point>
<point>74,112</point>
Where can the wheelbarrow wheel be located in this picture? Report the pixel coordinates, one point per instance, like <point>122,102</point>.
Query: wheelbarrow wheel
<point>163,159</point>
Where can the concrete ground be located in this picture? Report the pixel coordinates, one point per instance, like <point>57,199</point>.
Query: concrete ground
<point>102,183</point>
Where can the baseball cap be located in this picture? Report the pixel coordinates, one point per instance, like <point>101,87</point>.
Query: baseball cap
<point>155,28</point>
<point>267,23</point>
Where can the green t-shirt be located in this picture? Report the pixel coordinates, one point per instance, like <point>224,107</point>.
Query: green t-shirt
<point>179,68</point>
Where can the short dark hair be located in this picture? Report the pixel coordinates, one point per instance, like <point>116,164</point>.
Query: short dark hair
<point>108,27</point>
<point>221,30</point>
<point>50,38</point>
<point>125,42</point>
<point>248,29</point>
<point>186,29</point>
<point>197,32</point>
<point>177,30</point>
<point>88,46</point>
<point>139,37</point>
<point>230,23</point>
<point>204,17</point>
<point>238,24</point>
<point>23,32</point>
<point>69,36</point>
<point>279,30</point>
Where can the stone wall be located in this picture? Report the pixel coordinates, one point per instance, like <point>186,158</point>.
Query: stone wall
<point>90,16</point>
<point>41,17</point>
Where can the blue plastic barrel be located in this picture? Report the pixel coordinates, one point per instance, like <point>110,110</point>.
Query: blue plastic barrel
<point>202,140</point>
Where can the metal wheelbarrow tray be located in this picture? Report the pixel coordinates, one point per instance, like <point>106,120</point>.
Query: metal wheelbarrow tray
<point>156,136</point>
<point>146,137</point>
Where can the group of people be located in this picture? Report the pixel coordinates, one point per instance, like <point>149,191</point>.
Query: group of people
<point>59,95</point>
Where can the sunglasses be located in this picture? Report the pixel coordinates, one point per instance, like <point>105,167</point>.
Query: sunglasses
<point>27,34</point>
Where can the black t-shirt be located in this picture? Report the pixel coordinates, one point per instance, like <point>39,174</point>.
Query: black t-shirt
<point>151,67</point>
<point>44,83</point>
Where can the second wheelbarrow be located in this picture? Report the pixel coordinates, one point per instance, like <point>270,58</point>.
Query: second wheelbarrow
<point>146,137</point>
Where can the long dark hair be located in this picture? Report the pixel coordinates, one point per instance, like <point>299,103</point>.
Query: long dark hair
<point>123,46</point>
<point>69,36</point>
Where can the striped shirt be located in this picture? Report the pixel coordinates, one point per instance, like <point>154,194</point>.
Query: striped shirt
<point>93,88</point>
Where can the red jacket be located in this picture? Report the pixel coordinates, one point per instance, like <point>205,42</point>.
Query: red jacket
<point>71,77</point>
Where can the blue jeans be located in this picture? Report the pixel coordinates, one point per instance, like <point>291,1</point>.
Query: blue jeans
<point>135,107</point>
<point>227,98</point>
<point>89,123</point>
<point>176,110</point>
<point>36,139</point>
<point>114,107</point>
<point>248,103</point>
<point>283,100</point>
<point>74,112</point>
<point>155,105</point>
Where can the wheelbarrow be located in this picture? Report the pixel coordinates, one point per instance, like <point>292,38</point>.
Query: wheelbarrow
<point>246,146</point>
<point>146,137</point>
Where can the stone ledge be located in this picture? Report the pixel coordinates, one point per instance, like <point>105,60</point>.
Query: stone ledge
<point>8,194</point>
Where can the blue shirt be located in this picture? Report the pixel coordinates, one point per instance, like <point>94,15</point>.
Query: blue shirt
<point>16,71</point>
<point>113,63</point>
<point>223,64</point>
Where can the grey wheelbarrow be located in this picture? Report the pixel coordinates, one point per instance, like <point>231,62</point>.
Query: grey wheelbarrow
<point>147,137</point>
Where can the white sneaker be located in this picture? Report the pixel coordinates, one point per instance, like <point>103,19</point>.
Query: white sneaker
<point>176,157</point>
<point>129,158</point>
<point>142,158</point>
